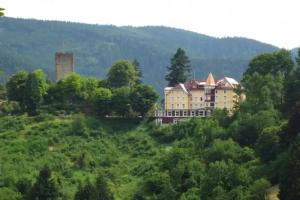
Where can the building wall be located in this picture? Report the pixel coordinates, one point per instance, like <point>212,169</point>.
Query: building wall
<point>225,98</point>
<point>197,99</point>
<point>64,64</point>
<point>176,99</point>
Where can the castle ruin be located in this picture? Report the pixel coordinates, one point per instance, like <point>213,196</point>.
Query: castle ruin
<point>64,64</point>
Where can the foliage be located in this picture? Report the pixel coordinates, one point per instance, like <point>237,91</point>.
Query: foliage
<point>98,46</point>
<point>143,98</point>
<point>16,87</point>
<point>290,179</point>
<point>229,155</point>
<point>271,63</point>
<point>121,101</point>
<point>35,89</point>
<point>102,101</point>
<point>97,191</point>
<point>44,187</point>
<point>1,12</point>
<point>179,70</point>
<point>268,143</point>
<point>122,74</point>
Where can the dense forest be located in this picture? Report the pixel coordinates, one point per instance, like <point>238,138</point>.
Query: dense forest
<point>73,140</point>
<point>30,44</point>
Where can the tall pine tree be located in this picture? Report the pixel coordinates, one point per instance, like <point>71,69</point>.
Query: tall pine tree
<point>179,71</point>
<point>44,187</point>
<point>138,70</point>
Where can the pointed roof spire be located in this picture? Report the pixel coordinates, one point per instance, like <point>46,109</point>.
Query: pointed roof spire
<point>210,79</point>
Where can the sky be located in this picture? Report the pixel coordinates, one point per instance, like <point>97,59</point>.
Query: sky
<point>271,21</point>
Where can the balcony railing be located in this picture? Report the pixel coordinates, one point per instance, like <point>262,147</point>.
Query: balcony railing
<point>182,113</point>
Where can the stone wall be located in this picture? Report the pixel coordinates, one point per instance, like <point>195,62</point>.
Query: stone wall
<point>64,64</point>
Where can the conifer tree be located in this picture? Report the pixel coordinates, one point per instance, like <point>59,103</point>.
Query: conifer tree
<point>86,192</point>
<point>102,189</point>
<point>44,188</point>
<point>179,71</point>
<point>298,57</point>
<point>138,70</point>
<point>99,191</point>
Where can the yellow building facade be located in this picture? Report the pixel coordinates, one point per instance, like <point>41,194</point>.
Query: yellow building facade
<point>201,94</point>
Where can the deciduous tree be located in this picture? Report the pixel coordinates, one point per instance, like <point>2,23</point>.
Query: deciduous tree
<point>35,89</point>
<point>143,98</point>
<point>290,178</point>
<point>122,74</point>
<point>16,87</point>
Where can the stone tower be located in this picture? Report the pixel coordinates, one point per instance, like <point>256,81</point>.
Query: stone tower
<point>64,64</point>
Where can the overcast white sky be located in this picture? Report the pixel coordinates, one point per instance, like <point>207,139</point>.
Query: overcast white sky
<point>272,21</point>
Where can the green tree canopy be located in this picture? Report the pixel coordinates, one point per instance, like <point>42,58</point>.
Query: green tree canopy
<point>97,191</point>
<point>298,57</point>
<point>180,68</point>
<point>35,89</point>
<point>45,187</point>
<point>290,178</point>
<point>121,101</point>
<point>280,61</point>
<point>16,86</point>
<point>143,98</point>
<point>122,74</point>
<point>102,101</point>
<point>138,70</point>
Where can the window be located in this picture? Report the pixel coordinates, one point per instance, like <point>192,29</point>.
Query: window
<point>184,113</point>
<point>177,113</point>
<point>224,91</point>
<point>192,113</point>
<point>177,105</point>
<point>172,106</point>
<point>177,98</point>
<point>201,99</point>
<point>216,91</point>
<point>183,106</point>
<point>191,105</point>
<point>201,113</point>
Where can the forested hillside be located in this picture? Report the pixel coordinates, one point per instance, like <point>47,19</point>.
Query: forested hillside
<point>87,139</point>
<point>31,44</point>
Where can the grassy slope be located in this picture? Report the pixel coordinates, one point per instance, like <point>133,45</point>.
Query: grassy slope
<point>27,144</point>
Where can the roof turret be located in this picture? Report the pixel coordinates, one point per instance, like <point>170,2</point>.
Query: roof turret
<point>210,79</point>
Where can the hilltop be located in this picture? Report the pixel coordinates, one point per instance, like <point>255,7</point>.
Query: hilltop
<point>30,44</point>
